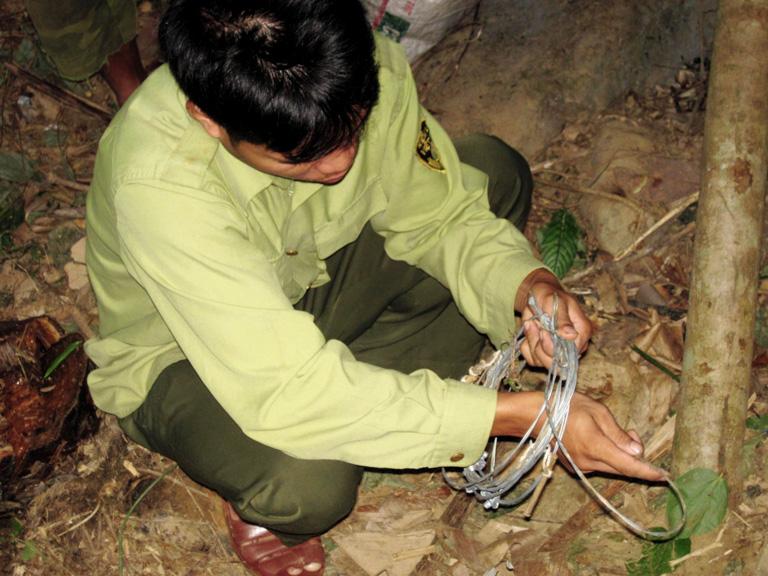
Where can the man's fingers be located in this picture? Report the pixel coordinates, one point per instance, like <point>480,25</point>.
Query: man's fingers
<point>537,348</point>
<point>620,462</point>
<point>636,437</point>
<point>628,442</point>
<point>565,327</point>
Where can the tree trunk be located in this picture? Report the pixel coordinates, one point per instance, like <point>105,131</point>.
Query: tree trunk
<point>720,336</point>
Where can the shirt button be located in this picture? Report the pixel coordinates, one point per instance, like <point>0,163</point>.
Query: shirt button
<point>291,252</point>
<point>458,457</point>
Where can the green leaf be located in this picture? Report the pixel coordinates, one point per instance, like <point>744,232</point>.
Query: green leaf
<point>25,53</point>
<point>29,552</point>
<point>758,423</point>
<point>705,493</point>
<point>17,529</point>
<point>682,547</point>
<point>11,207</point>
<point>651,360</point>
<point>654,560</point>
<point>15,167</point>
<point>559,242</point>
<point>60,358</point>
<point>656,556</point>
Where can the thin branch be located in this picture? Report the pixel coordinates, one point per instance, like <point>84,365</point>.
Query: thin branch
<point>673,213</point>
<point>83,521</point>
<point>60,93</point>
<point>613,197</point>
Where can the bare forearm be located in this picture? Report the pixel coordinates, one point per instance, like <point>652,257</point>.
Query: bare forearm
<point>515,412</point>
<point>593,438</point>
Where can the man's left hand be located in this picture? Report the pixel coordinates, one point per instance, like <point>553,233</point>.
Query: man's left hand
<point>571,322</point>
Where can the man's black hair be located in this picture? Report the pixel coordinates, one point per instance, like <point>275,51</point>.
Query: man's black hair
<point>297,76</point>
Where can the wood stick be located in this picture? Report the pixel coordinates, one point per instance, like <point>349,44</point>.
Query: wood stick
<point>613,197</point>
<point>673,213</point>
<point>456,512</point>
<point>59,93</point>
<point>558,542</point>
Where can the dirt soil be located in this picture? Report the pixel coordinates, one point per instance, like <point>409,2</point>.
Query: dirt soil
<point>112,507</point>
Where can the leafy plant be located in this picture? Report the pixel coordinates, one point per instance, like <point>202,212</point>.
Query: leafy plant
<point>560,242</point>
<point>15,532</point>
<point>705,494</point>
<point>16,168</point>
<point>657,556</point>
<point>759,423</point>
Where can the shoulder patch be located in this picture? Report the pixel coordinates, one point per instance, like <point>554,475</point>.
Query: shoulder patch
<point>426,151</point>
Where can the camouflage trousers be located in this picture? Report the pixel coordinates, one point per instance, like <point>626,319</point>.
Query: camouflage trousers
<point>79,35</point>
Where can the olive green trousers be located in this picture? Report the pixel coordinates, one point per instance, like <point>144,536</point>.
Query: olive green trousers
<point>79,35</point>
<point>389,313</point>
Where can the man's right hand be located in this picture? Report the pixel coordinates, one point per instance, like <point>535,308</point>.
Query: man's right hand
<point>592,436</point>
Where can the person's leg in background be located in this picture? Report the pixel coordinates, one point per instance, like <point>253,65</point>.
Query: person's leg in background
<point>84,38</point>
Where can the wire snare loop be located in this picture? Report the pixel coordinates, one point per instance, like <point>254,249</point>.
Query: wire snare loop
<point>491,479</point>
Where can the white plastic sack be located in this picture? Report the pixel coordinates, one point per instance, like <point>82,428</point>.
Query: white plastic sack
<point>416,24</point>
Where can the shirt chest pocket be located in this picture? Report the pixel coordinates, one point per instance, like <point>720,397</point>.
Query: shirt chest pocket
<point>342,224</point>
<point>286,240</point>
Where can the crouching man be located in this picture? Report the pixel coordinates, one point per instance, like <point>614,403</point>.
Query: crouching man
<point>293,262</point>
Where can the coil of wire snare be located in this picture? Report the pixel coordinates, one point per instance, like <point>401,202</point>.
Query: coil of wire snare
<point>491,482</point>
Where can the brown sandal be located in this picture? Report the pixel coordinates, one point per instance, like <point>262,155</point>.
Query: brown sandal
<point>263,553</point>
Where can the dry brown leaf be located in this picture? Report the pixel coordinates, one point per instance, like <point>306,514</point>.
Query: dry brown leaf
<point>397,554</point>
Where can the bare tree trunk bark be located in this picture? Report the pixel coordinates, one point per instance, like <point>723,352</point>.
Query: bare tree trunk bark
<point>720,338</point>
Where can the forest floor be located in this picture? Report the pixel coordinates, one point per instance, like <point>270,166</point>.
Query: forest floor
<point>112,507</point>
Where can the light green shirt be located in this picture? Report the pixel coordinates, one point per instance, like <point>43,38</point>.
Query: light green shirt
<point>193,254</point>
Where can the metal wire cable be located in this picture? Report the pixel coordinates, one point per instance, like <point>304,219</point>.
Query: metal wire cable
<point>492,480</point>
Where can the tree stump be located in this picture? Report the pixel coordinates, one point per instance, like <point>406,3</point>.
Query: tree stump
<point>41,415</point>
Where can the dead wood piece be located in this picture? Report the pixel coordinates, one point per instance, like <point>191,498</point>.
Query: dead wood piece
<point>557,544</point>
<point>458,509</point>
<point>61,93</point>
<point>678,209</point>
<point>40,415</point>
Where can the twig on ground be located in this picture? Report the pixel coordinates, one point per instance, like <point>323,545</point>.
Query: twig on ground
<point>59,93</point>
<point>661,366</point>
<point>81,522</point>
<point>172,480</point>
<point>560,539</point>
<point>614,197</point>
<point>205,519</point>
<point>673,213</point>
<point>121,532</point>
<point>76,186</point>
<point>701,551</point>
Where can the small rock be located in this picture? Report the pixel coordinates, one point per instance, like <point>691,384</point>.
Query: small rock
<point>77,275</point>
<point>78,251</point>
